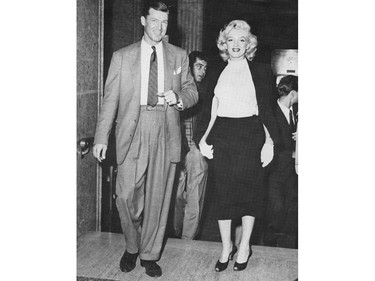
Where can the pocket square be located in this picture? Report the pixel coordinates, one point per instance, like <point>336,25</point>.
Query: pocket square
<point>178,71</point>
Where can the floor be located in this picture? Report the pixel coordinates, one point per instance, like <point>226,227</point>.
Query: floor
<point>99,253</point>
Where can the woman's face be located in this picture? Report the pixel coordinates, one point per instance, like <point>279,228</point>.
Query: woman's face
<point>237,43</point>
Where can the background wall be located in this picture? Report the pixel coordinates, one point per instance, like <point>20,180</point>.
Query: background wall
<point>190,24</point>
<point>195,24</point>
<point>274,22</point>
<point>122,26</point>
<point>89,77</point>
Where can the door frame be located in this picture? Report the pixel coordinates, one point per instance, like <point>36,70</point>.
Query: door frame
<point>100,97</point>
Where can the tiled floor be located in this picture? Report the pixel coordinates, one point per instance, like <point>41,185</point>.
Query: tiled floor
<point>99,253</point>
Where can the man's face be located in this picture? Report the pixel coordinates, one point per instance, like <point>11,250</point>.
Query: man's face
<point>294,97</point>
<point>155,26</point>
<point>199,70</point>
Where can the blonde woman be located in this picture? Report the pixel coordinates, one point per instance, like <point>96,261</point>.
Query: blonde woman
<point>239,138</point>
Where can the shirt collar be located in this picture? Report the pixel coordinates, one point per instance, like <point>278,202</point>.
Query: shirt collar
<point>284,109</point>
<point>283,106</point>
<point>146,46</point>
<point>237,63</point>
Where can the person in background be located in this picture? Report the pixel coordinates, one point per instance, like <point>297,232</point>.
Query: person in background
<point>239,138</point>
<point>148,84</point>
<point>282,209</point>
<point>192,172</point>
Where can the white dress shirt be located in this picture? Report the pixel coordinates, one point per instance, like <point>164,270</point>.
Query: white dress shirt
<point>146,52</point>
<point>285,111</point>
<point>235,91</point>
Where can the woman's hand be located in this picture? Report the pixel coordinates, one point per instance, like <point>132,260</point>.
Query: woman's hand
<point>206,150</point>
<point>266,155</point>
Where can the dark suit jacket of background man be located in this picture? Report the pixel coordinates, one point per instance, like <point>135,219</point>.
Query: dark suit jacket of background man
<point>282,207</point>
<point>283,161</point>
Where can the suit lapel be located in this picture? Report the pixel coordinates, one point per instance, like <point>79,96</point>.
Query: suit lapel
<point>281,117</point>
<point>168,66</point>
<point>136,67</point>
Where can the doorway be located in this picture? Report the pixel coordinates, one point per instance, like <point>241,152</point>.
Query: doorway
<point>122,27</point>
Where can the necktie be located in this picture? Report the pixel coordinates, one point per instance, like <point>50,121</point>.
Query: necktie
<point>293,127</point>
<point>291,122</point>
<point>152,98</point>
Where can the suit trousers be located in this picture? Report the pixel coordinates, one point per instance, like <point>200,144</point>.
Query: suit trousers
<point>191,188</point>
<point>144,185</point>
<point>282,211</point>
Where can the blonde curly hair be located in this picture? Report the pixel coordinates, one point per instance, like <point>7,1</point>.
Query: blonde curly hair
<point>223,36</point>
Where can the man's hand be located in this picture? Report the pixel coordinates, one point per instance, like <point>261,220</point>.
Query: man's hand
<point>206,150</point>
<point>170,97</point>
<point>294,136</point>
<point>266,155</point>
<point>99,151</point>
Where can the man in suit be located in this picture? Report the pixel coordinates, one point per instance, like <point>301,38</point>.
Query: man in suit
<point>148,84</point>
<point>192,173</point>
<point>282,207</point>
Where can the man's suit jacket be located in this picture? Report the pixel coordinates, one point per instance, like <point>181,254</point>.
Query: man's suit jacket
<point>196,112</point>
<point>265,88</point>
<point>283,160</point>
<point>122,96</point>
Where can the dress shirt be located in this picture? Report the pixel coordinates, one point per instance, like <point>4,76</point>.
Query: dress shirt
<point>146,52</point>
<point>235,91</point>
<point>285,111</point>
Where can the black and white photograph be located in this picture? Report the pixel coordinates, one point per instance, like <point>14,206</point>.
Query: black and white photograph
<point>162,140</point>
<point>187,125</point>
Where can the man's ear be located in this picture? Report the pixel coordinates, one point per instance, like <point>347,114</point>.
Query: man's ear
<point>143,20</point>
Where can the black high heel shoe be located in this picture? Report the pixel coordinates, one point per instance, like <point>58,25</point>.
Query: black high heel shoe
<point>223,266</point>
<point>241,266</point>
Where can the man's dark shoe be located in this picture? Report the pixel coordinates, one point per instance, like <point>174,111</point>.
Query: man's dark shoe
<point>152,268</point>
<point>127,262</point>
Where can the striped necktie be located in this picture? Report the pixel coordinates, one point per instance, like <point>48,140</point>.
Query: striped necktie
<point>152,98</point>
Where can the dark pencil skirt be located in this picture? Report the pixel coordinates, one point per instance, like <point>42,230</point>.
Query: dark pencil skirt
<point>237,170</point>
